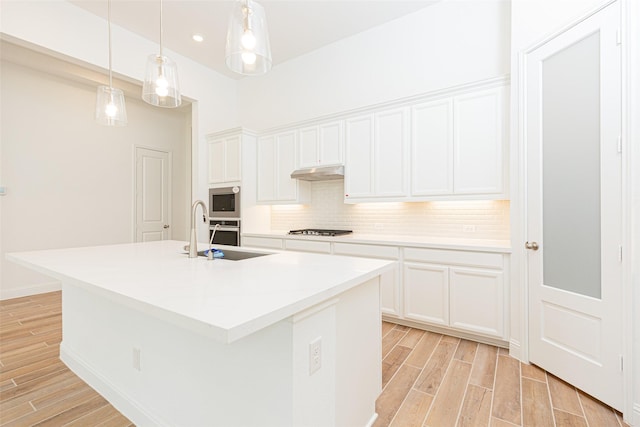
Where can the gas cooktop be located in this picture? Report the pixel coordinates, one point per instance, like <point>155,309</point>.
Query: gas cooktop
<point>320,232</point>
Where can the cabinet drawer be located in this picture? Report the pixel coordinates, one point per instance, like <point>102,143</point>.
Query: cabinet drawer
<point>441,256</point>
<point>369,251</point>
<point>308,246</point>
<point>262,242</point>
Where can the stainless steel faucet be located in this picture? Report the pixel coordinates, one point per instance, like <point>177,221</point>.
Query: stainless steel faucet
<point>193,242</point>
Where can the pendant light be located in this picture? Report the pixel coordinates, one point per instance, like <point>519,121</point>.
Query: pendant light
<point>248,51</point>
<point>110,107</point>
<point>160,86</point>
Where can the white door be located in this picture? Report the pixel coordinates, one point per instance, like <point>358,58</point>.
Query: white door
<point>153,180</point>
<point>573,121</point>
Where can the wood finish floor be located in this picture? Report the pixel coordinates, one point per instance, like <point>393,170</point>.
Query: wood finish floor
<point>436,380</point>
<point>429,379</point>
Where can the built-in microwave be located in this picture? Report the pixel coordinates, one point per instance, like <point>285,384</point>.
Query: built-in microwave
<point>224,203</point>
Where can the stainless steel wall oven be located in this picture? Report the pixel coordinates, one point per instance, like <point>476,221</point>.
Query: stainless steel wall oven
<point>227,233</point>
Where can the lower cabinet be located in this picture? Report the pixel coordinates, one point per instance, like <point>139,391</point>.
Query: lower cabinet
<point>476,300</point>
<point>439,291</point>
<point>389,281</point>
<point>457,290</point>
<point>426,293</point>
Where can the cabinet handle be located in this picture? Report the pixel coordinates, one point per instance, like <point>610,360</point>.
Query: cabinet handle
<point>533,246</point>
<point>165,226</point>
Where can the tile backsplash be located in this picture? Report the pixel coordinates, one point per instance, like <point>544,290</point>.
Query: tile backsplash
<point>483,219</point>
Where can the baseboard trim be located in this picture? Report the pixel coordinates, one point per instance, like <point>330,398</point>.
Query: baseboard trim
<point>515,350</point>
<point>373,419</point>
<point>124,403</point>
<point>447,331</point>
<point>635,416</point>
<point>41,288</point>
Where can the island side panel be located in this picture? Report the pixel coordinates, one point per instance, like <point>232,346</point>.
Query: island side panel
<point>183,378</point>
<point>358,354</point>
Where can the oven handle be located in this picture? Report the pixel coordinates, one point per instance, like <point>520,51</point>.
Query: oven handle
<point>223,228</point>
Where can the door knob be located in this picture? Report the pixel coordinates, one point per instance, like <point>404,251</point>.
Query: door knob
<point>533,245</point>
<point>165,226</point>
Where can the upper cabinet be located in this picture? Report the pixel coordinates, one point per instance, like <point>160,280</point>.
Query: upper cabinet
<point>276,160</point>
<point>449,148</point>
<point>376,156</point>
<point>446,145</point>
<point>458,145</point>
<point>225,158</point>
<point>479,136</point>
<point>321,145</point>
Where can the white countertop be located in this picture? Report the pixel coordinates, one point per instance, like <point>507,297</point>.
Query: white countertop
<point>483,245</point>
<point>225,300</point>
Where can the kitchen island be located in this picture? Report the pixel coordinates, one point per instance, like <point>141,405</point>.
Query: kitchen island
<point>286,339</point>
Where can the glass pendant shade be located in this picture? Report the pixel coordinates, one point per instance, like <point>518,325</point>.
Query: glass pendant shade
<point>248,51</point>
<point>110,107</point>
<point>160,86</point>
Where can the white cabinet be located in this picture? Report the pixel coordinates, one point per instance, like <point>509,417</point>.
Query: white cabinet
<point>375,164</point>
<point>225,158</point>
<point>389,282</point>
<point>458,146</point>
<point>321,145</point>
<point>461,292</point>
<point>308,246</point>
<point>479,139</point>
<point>456,289</point>
<point>426,291</point>
<point>276,160</point>
<point>432,148</point>
<point>469,287</point>
<point>358,180</point>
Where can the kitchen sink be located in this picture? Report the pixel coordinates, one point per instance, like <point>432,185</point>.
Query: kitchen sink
<point>232,255</point>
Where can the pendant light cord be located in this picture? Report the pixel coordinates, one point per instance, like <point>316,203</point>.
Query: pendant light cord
<point>109,26</point>
<point>160,27</point>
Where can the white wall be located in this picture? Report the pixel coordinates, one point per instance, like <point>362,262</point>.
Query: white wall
<point>70,180</point>
<point>66,31</point>
<point>532,21</point>
<point>447,44</point>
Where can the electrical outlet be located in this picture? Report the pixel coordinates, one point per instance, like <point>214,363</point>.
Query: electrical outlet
<point>469,228</point>
<point>135,359</point>
<point>315,355</point>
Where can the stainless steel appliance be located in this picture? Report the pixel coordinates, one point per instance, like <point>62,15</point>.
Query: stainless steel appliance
<point>320,232</point>
<point>224,203</point>
<point>226,233</point>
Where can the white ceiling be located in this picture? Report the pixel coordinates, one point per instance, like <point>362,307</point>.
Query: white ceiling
<point>295,26</point>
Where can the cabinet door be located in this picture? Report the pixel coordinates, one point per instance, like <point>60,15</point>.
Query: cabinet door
<point>266,169</point>
<point>432,148</point>
<point>390,293</point>
<point>359,162</point>
<point>389,141</point>
<point>233,159</point>
<point>308,147</point>
<point>216,161</point>
<point>477,300</point>
<point>426,293</point>
<point>286,163</point>
<point>331,144</point>
<point>479,142</point>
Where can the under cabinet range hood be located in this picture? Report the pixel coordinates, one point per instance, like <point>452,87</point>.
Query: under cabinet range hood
<point>324,173</point>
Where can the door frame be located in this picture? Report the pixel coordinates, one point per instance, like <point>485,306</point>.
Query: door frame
<point>519,342</point>
<point>134,206</point>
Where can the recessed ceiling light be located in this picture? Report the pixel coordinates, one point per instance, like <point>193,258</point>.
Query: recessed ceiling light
<point>197,37</point>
